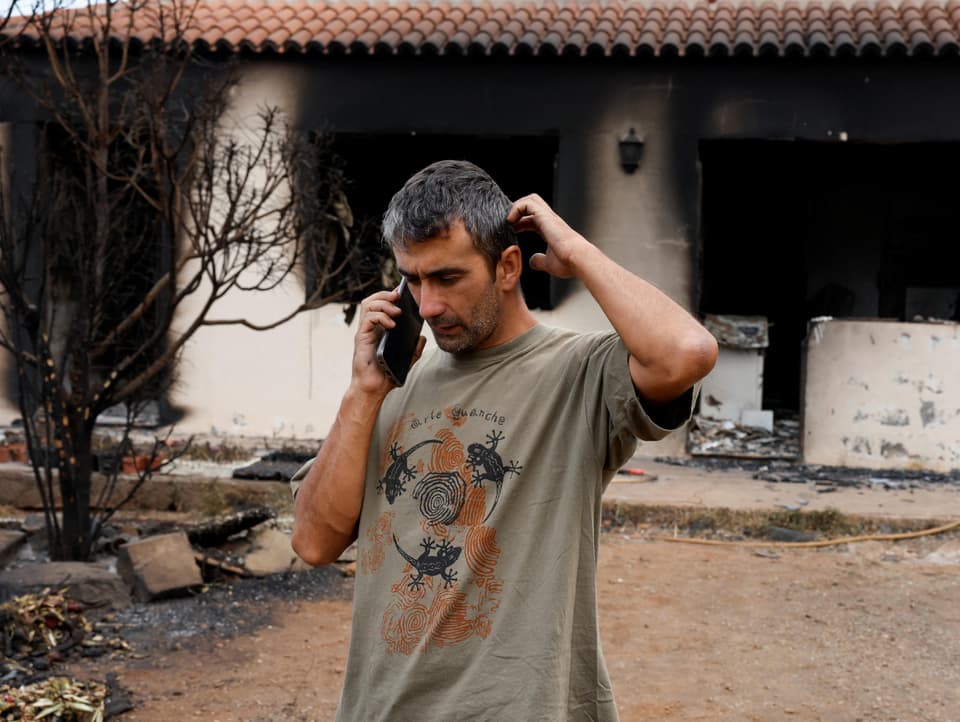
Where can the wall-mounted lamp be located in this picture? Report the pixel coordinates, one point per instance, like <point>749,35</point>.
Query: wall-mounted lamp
<point>631,147</point>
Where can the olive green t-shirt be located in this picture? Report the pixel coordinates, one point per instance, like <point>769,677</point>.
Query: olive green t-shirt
<point>475,594</point>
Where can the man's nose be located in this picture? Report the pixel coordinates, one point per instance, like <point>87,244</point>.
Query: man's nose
<point>431,305</point>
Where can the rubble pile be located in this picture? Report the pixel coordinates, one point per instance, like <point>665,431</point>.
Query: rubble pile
<point>154,562</point>
<point>836,476</point>
<point>58,698</point>
<point>826,478</point>
<point>275,466</point>
<point>42,629</point>
<point>39,631</point>
<point>716,437</point>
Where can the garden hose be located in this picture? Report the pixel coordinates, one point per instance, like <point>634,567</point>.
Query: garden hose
<point>821,543</point>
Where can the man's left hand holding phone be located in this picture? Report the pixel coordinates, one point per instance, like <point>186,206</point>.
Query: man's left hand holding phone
<point>329,499</point>
<point>401,345</point>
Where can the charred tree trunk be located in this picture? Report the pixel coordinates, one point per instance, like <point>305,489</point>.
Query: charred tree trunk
<point>76,536</point>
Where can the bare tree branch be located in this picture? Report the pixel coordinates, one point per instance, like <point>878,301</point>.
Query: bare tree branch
<point>152,207</point>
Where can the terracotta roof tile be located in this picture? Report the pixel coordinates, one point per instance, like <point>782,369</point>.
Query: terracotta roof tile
<point>869,44</point>
<point>552,27</point>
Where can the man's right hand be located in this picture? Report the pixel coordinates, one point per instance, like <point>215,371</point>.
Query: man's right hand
<point>330,497</point>
<point>377,313</point>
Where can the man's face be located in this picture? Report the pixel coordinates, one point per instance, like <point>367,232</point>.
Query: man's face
<point>457,293</point>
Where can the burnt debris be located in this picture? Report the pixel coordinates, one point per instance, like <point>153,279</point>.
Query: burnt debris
<point>829,477</point>
<point>275,466</point>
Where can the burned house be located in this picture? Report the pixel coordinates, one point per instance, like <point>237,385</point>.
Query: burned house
<point>767,160</point>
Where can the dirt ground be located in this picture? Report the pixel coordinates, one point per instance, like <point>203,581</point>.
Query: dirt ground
<point>868,632</point>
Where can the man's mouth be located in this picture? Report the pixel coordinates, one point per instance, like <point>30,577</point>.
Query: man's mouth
<point>444,329</point>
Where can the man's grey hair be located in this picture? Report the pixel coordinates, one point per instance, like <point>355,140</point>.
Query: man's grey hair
<point>442,193</point>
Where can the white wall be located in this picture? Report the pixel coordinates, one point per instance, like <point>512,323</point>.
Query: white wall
<point>279,384</point>
<point>288,382</point>
<point>882,395</point>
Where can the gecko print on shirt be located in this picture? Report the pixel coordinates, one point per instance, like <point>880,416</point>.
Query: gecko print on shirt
<point>488,466</point>
<point>444,590</point>
<point>399,473</point>
<point>428,564</point>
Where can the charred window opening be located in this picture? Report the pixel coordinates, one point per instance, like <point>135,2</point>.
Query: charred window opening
<point>794,230</point>
<point>375,166</point>
<point>99,273</point>
<point>332,265</point>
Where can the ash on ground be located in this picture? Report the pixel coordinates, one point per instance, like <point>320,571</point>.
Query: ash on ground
<point>225,610</point>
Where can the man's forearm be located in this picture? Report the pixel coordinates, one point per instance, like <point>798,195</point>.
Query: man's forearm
<point>329,500</point>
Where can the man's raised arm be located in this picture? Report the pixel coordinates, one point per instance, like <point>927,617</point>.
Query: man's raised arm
<point>669,349</point>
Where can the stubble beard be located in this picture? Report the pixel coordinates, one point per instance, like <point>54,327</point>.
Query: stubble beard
<point>485,317</point>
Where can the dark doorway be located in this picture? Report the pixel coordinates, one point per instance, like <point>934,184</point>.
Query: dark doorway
<point>377,166</point>
<point>796,230</point>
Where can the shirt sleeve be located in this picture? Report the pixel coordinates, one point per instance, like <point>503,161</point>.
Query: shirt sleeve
<point>298,477</point>
<point>623,418</point>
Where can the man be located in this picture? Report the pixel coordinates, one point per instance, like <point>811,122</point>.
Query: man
<point>474,491</point>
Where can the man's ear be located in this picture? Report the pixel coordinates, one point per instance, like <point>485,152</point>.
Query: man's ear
<point>509,268</point>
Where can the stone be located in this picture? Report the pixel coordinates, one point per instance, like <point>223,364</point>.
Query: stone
<point>271,553</point>
<point>159,566</point>
<point>782,534</point>
<point>90,584</point>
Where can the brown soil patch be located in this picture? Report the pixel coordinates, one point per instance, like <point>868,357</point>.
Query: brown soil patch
<point>866,632</point>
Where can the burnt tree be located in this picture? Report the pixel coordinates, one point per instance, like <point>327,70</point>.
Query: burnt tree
<point>149,205</point>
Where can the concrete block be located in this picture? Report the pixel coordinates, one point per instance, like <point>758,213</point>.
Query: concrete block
<point>159,566</point>
<point>735,383</point>
<point>757,418</point>
<point>883,394</point>
<point>271,553</point>
<point>89,584</point>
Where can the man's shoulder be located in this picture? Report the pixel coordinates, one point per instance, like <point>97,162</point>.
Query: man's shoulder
<point>541,341</point>
<point>575,339</point>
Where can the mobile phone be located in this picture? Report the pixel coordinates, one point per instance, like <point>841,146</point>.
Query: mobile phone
<point>398,344</point>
